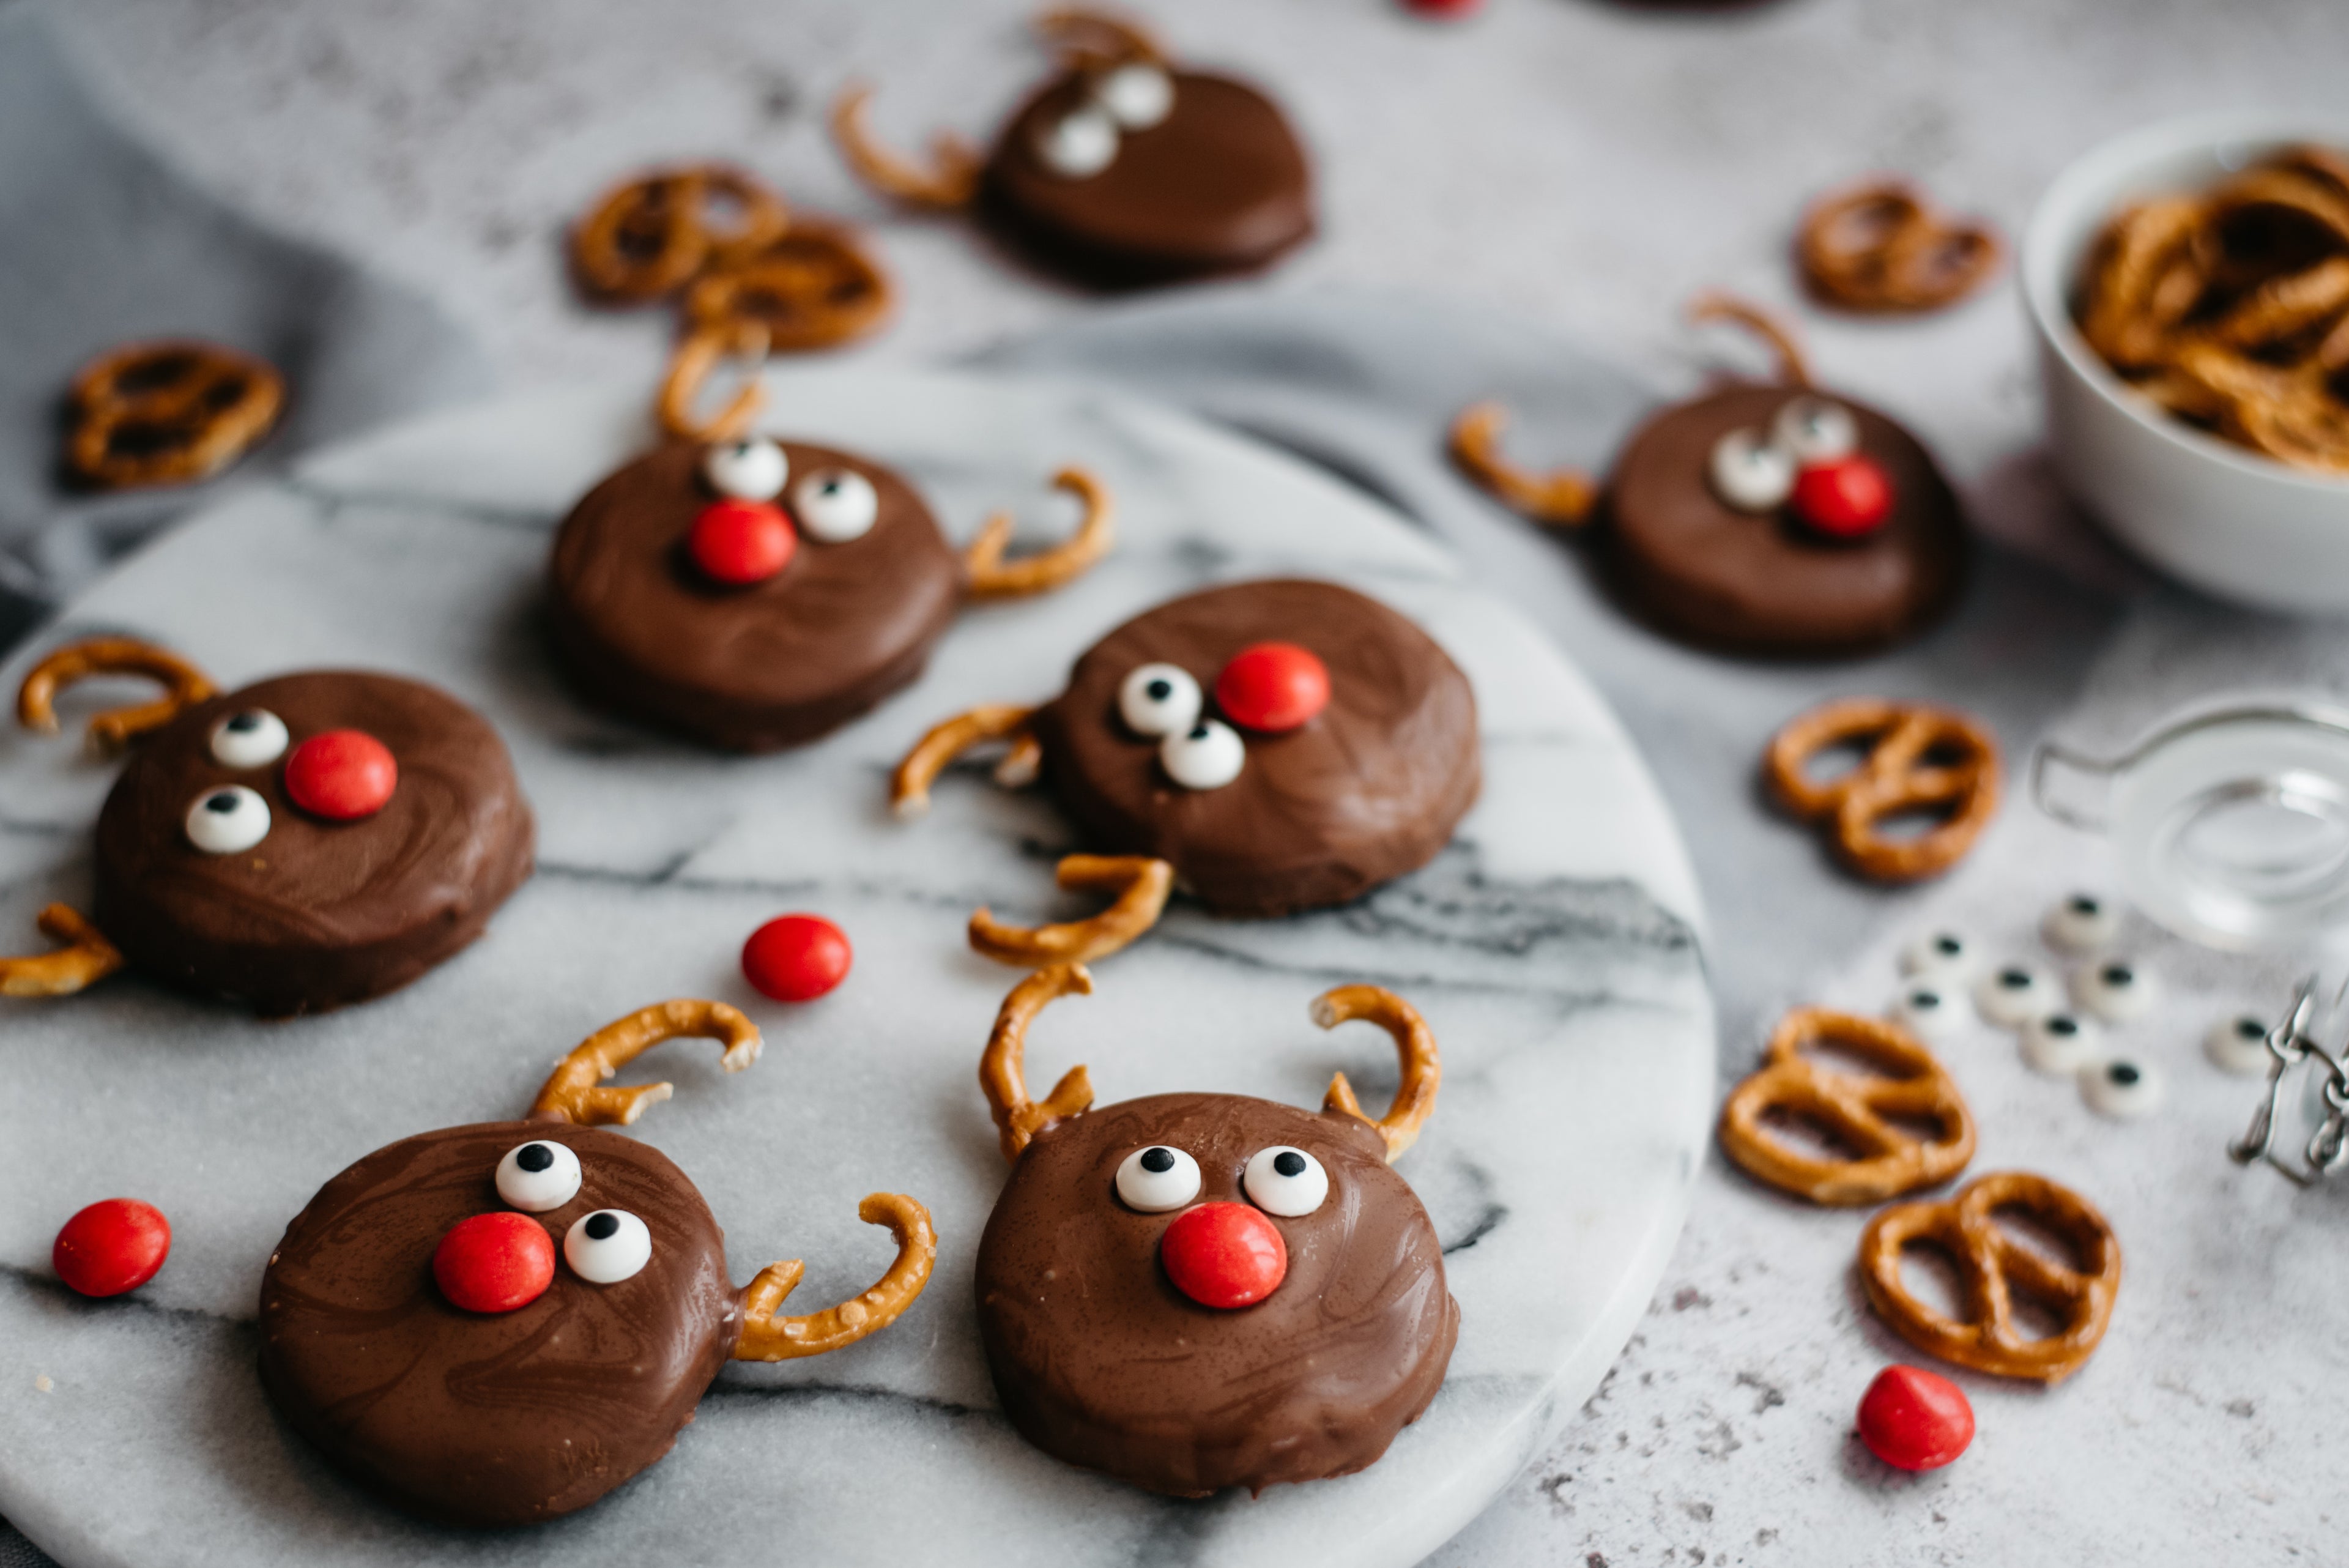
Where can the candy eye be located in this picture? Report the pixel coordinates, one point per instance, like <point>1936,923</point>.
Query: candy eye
<point>1079,144</point>
<point>1285,1181</point>
<point>1926,1012</point>
<point>2115,990</point>
<point>2121,1088</point>
<point>1207,755</point>
<point>1941,955</point>
<point>252,739</point>
<point>750,469</point>
<point>537,1176</point>
<point>1816,430</point>
<point>1137,94</point>
<point>1752,473</point>
<point>607,1246</point>
<point>836,504</point>
<point>2060,1044</point>
<point>1156,1180</point>
<point>2012,995</point>
<point>2238,1046</point>
<point>1159,699</point>
<point>2082,923</point>
<point>229,820</point>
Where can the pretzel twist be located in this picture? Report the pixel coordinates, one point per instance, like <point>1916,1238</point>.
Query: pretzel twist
<point>576,1093</point>
<point>1422,1067</point>
<point>767,1337</point>
<point>909,785</point>
<point>86,959</point>
<point>1141,884</point>
<point>1898,776</point>
<point>698,355</point>
<point>185,687</point>
<point>950,181</point>
<point>813,288</point>
<point>651,236</point>
<point>1993,1268</point>
<point>986,575</point>
<point>1560,498</point>
<point>1890,1160</point>
<point>1714,305</point>
<point>1002,1070</point>
<point>168,412</point>
<point>1879,247</point>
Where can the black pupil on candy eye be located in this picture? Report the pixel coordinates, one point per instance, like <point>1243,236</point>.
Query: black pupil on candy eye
<point>2121,1072</point>
<point>1948,945</point>
<point>2084,906</point>
<point>1160,690</point>
<point>223,803</point>
<point>2061,1026</point>
<point>1288,1162</point>
<point>1158,1162</point>
<point>2250,1028</point>
<point>245,723</point>
<point>535,1157</point>
<point>2118,974</point>
<point>830,487</point>
<point>1924,999</point>
<point>603,1227</point>
<point>2014,979</point>
<point>1198,732</point>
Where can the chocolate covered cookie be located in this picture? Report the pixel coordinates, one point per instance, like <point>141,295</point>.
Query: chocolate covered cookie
<point>496,1325</point>
<point>1193,1292</point>
<point>309,841</point>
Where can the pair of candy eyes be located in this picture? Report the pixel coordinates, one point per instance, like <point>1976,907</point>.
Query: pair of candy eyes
<point>602,1247</point>
<point>1084,142</point>
<point>1163,701</point>
<point>1754,470</point>
<point>832,504</point>
<point>1281,1180</point>
<point>232,819</point>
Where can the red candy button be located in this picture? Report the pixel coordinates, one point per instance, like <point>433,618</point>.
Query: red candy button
<point>1846,498</point>
<point>111,1247</point>
<point>1272,687</point>
<point>494,1263</point>
<point>742,542</point>
<point>1915,1419</point>
<point>796,958</point>
<point>341,775</point>
<point>1223,1255</point>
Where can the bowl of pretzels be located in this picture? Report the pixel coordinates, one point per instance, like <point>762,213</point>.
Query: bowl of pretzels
<point>2189,286</point>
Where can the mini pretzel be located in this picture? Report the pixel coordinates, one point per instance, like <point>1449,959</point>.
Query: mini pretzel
<point>988,576</point>
<point>168,413</point>
<point>1889,1159</point>
<point>1879,247</point>
<point>1140,883</point>
<point>1558,499</point>
<point>1715,305</point>
<point>813,288</point>
<point>109,731</point>
<point>574,1092</point>
<point>86,959</point>
<point>1993,1268</point>
<point>650,235</point>
<point>690,367</point>
<point>1002,1076</point>
<point>1097,40</point>
<point>1900,774</point>
<point>951,181</point>
<point>766,1337</point>
<point>909,785</point>
<point>1423,1069</point>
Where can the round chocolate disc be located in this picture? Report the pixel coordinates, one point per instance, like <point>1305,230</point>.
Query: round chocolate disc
<point>492,1417</point>
<point>316,913</point>
<point>1709,574</point>
<point>1100,1361</point>
<point>1368,789</point>
<point>642,630</point>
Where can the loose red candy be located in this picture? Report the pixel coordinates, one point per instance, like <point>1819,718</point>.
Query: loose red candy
<point>494,1263</point>
<point>341,775</point>
<point>1846,498</point>
<point>1915,1419</point>
<point>1448,8</point>
<point>740,542</point>
<point>1223,1254</point>
<point>1272,687</point>
<point>112,1246</point>
<point>796,958</point>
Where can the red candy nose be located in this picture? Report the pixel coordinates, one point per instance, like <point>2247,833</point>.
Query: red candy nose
<point>1223,1255</point>
<point>1916,1420</point>
<point>112,1247</point>
<point>1846,498</point>
<point>494,1263</point>
<point>742,542</point>
<point>341,775</point>
<point>1272,687</point>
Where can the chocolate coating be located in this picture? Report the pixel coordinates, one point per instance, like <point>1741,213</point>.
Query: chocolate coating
<point>1219,185</point>
<point>1709,574</point>
<point>1368,790</point>
<point>492,1419</point>
<point>319,914</point>
<point>641,631</point>
<point>1100,1361</point>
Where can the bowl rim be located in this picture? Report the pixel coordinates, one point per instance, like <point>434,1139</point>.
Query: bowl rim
<point>2080,199</point>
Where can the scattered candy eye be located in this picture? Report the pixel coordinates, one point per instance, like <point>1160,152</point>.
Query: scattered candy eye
<point>1137,94</point>
<point>1154,1180</point>
<point>1208,755</point>
<point>741,542</point>
<point>2115,990</point>
<point>1925,1011</point>
<point>836,504</point>
<point>1079,144</point>
<point>2239,1045</point>
<point>2121,1087</point>
<point>251,738</point>
<point>1815,430</point>
<point>1159,699</point>
<point>796,958</point>
<point>539,1176</point>
<point>114,1245</point>
<point>1752,473</point>
<point>1223,1255</point>
<point>2082,923</point>
<point>2012,995</point>
<point>1914,1419</point>
<point>1846,498</point>
<point>229,820</point>
<point>1285,1181</point>
<point>341,775</point>
<point>607,1246</point>
<point>752,469</point>
<point>1273,687</point>
<point>494,1263</point>
<point>2061,1043</point>
<point>1941,955</point>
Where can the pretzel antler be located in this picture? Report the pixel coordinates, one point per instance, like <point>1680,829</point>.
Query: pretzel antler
<point>1141,882</point>
<point>1716,306</point>
<point>1096,40</point>
<point>1423,1069</point>
<point>1001,1070</point>
<point>909,787</point>
<point>990,579</point>
<point>573,1092</point>
<point>109,731</point>
<point>1558,499</point>
<point>766,1337</point>
<point>86,959</point>
<point>950,181</point>
<point>695,358</point>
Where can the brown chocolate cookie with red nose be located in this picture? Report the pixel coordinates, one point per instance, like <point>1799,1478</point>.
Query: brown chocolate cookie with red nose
<point>1195,1292</point>
<point>304,843</point>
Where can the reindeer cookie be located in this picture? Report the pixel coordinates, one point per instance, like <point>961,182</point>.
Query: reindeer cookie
<point>1277,746</point>
<point>496,1325</point>
<point>1120,168</point>
<point>311,841</point>
<point>1195,1292</point>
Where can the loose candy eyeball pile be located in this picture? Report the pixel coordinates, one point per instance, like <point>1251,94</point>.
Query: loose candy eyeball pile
<point>796,958</point>
<point>112,1246</point>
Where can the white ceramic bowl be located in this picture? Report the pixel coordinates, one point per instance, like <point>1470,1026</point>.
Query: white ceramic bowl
<point>2216,514</point>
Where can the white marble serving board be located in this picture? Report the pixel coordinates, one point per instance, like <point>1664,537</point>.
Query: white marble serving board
<point>1554,947</point>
